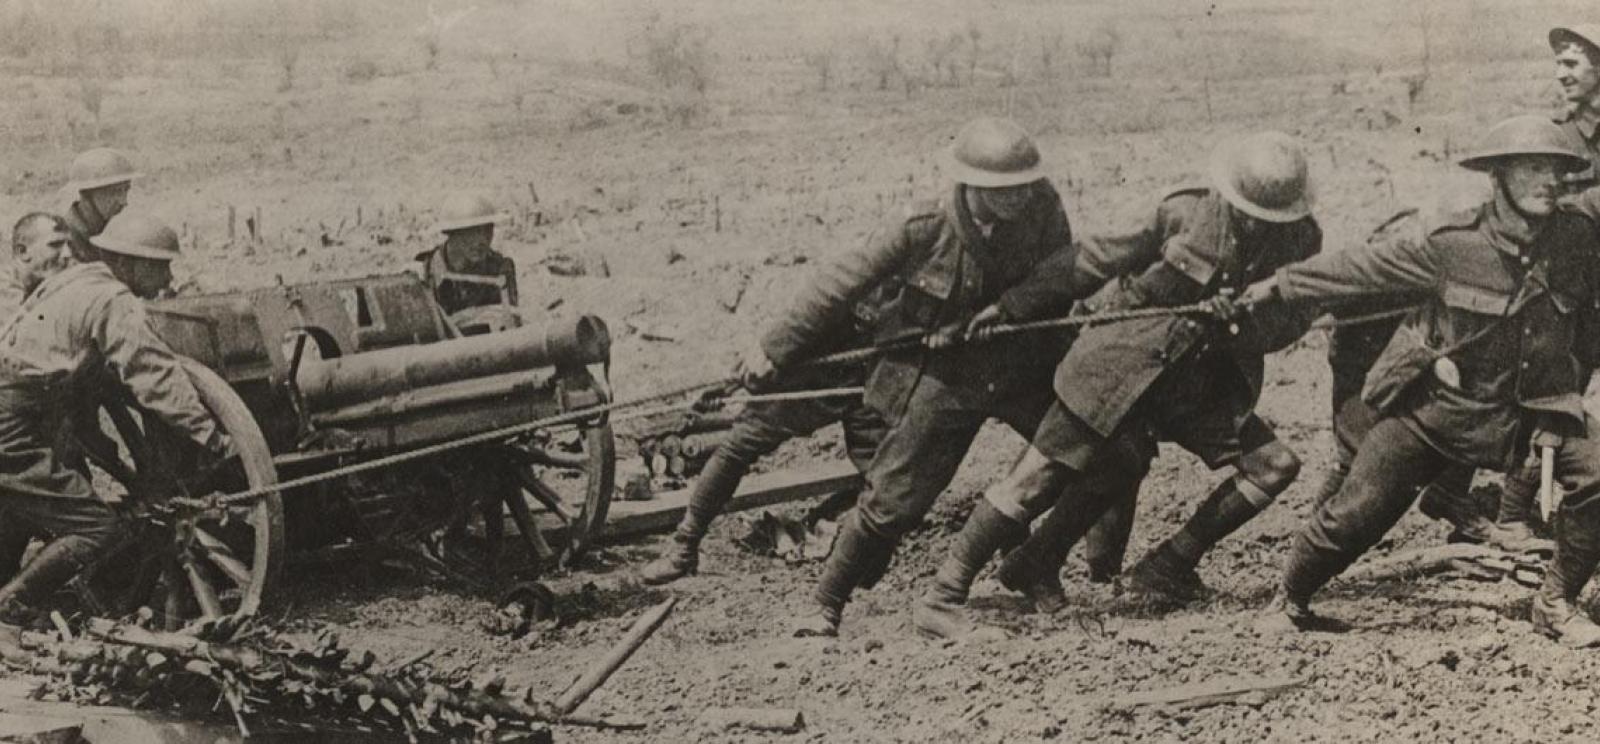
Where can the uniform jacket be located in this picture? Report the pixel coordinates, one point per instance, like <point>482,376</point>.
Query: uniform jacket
<point>459,288</point>
<point>1512,307</point>
<point>1354,348</point>
<point>76,323</point>
<point>1186,252</point>
<point>12,293</point>
<point>929,268</point>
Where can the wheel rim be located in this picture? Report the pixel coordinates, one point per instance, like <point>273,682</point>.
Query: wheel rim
<point>571,473</point>
<point>189,564</point>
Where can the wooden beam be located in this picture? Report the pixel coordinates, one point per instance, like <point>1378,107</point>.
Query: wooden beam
<point>662,513</point>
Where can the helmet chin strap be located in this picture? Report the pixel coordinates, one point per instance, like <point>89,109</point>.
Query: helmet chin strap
<point>1500,187</point>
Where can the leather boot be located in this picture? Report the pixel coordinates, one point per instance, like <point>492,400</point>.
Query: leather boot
<point>1107,542</point>
<point>1282,615</point>
<point>1034,568</point>
<point>682,558</point>
<point>942,612</point>
<point>1104,504</point>
<point>1555,610</point>
<point>51,569</point>
<point>1512,529</point>
<point>1169,570</point>
<point>855,551</point>
<point>712,491</point>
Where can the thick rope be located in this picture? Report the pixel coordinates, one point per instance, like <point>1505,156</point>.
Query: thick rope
<point>636,407</point>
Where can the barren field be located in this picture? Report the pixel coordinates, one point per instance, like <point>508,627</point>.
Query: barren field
<point>709,153</point>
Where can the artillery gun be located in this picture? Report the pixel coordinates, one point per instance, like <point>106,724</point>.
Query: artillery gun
<point>314,378</point>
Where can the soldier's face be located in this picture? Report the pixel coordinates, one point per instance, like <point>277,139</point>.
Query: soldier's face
<point>109,201</point>
<point>1001,204</point>
<point>41,250</point>
<point>471,244</point>
<point>1531,183</point>
<point>1576,74</point>
<point>147,277</point>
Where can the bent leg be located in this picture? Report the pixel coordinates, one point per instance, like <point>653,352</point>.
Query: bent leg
<point>1389,470</point>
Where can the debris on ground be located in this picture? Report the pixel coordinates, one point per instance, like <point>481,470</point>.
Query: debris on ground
<point>317,684</point>
<point>788,538</point>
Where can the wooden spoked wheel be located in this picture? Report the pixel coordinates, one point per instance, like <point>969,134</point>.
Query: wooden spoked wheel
<point>569,472</point>
<point>184,563</point>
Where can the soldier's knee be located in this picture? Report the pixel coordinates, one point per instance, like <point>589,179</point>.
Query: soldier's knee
<point>1272,467</point>
<point>886,521</point>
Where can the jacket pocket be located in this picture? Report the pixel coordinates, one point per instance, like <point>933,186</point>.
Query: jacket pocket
<point>1406,360</point>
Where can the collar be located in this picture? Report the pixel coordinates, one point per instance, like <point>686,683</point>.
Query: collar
<point>69,276</point>
<point>966,226</point>
<point>1507,229</point>
<point>1586,117</point>
<point>89,217</point>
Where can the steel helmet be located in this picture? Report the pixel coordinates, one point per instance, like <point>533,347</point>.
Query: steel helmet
<point>1528,134</point>
<point>1264,175</point>
<point>993,153</point>
<point>1587,35</point>
<point>98,168</point>
<point>462,211</point>
<point>137,234</point>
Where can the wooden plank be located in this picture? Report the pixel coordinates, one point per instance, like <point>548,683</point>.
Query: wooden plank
<point>1252,691</point>
<point>662,513</point>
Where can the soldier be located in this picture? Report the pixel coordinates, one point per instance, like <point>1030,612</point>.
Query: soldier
<point>467,275</point>
<point>760,428</point>
<point>1577,52</point>
<point>1491,362</point>
<point>39,248</point>
<point>100,180</point>
<point>1122,386</point>
<point>84,318</point>
<point>958,261</point>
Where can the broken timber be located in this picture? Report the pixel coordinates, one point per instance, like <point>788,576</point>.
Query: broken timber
<point>1243,691</point>
<point>662,513</point>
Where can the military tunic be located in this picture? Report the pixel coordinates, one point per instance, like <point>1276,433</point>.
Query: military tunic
<point>75,323</point>
<point>1496,351</point>
<point>457,288</point>
<point>929,268</point>
<point>1192,380</point>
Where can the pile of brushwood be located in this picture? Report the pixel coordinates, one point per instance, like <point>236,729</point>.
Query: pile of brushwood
<point>272,681</point>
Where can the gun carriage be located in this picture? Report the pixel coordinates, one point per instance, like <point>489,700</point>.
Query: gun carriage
<point>311,379</point>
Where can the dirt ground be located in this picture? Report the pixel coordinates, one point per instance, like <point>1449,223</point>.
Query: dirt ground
<point>710,153</point>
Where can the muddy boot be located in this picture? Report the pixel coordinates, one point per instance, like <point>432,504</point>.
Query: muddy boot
<point>1168,570</point>
<point>856,552</point>
<point>1034,568</point>
<point>1512,529</point>
<point>1555,610</point>
<point>1456,509</point>
<point>1161,574</point>
<point>51,569</point>
<point>681,559</point>
<point>941,613</point>
<point>1041,584</point>
<point>1107,542</point>
<point>1282,616</point>
<point>712,490</point>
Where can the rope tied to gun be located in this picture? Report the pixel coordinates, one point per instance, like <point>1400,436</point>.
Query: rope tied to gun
<point>642,406</point>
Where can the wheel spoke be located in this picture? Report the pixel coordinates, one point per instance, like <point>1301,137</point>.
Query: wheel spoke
<point>221,556</point>
<point>204,595</point>
<point>545,495</point>
<point>172,604</point>
<point>529,529</point>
